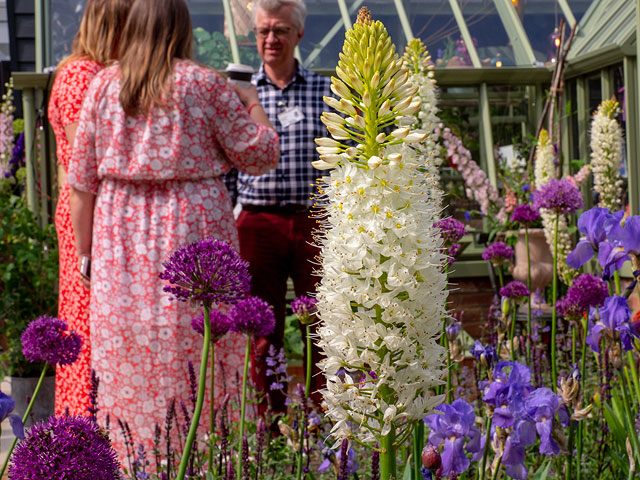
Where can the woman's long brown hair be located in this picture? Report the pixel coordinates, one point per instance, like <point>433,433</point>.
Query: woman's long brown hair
<point>157,33</point>
<point>97,38</point>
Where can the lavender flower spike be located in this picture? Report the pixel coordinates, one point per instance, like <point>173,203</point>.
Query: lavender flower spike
<point>207,272</point>
<point>560,196</point>
<point>47,339</point>
<point>65,447</point>
<point>252,316</point>
<point>220,324</point>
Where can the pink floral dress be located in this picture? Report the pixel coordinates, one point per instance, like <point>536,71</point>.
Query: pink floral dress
<point>158,186</point>
<point>73,382</point>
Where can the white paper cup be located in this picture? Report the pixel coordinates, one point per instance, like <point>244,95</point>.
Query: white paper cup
<point>239,74</point>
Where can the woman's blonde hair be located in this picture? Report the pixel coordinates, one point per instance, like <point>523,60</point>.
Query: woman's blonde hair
<point>157,33</point>
<point>97,38</point>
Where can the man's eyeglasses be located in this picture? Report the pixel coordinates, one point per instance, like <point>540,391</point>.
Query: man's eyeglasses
<point>277,31</point>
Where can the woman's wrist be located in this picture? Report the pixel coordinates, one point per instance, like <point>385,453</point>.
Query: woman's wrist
<point>252,106</point>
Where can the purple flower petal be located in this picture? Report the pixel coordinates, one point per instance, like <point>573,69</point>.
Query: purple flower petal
<point>16,425</point>
<point>580,255</point>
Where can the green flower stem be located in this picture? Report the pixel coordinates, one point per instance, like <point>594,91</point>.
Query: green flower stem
<point>193,429</point>
<point>24,417</point>
<point>554,314</point>
<point>449,393</point>
<point>388,456</point>
<point>500,279</point>
<point>569,459</point>
<point>243,406</point>
<point>583,360</point>
<point>634,373</point>
<point>418,445</point>
<point>512,331</point>
<point>496,473</point>
<point>526,239</point>
<point>443,343</point>
<point>486,449</point>
<point>211,404</point>
<point>307,380</point>
<point>616,279</point>
<point>628,416</point>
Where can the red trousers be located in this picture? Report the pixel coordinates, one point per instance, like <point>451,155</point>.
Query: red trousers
<point>278,246</point>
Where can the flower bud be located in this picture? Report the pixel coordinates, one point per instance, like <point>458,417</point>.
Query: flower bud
<point>326,142</point>
<point>400,132</point>
<point>339,87</point>
<point>505,306</point>
<point>374,162</point>
<point>327,150</point>
<point>381,137</point>
<point>416,136</point>
<point>347,107</point>
<point>384,108</point>
<point>322,165</point>
<point>431,458</point>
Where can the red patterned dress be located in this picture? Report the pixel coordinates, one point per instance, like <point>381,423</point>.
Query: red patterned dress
<point>158,184</point>
<point>73,382</point>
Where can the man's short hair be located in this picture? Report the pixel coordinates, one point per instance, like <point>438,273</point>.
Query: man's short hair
<point>298,7</point>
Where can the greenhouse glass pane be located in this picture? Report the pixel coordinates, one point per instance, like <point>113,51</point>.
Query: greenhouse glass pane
<point>324,33</point>
<point>65,21</point>
<point>488,33</point>
<point>433,22</point>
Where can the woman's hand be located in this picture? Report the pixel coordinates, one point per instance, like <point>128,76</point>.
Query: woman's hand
<point>248,96</point>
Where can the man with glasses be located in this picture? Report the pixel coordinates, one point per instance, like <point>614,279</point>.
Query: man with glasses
<point>276,221</point>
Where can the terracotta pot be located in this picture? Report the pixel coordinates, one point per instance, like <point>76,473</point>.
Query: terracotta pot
<point>541,260</point>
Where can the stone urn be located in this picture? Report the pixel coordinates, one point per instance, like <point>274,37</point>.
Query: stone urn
<point>541,262</point>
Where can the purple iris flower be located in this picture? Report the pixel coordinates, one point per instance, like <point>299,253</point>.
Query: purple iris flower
<point>630,235</point>
<point>488,353</point>
<point>453,427</point>
<point>523,435</point>
<point>507,392</point>
<point>541,406</point>
<point>7,404</point>
<point>590,224</point>
<point>452,330</point>
<point>611,257</point>
<point>613,317</point>
<point>352,460</point>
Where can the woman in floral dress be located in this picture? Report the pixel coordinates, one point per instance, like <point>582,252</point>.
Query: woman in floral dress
<point>156,133</point>
<point>93,46</point>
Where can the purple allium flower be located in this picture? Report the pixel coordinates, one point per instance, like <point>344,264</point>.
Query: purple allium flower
<point>614,317</point>
<point>515,289</point>
<point>525,214</point>
<point>304,307</point>
<point>485,354</point>
<point>65,447</point>
<point>220,324</point>
<point>586,291</point>
<point>209,271</point>
<point>47,339</point>
<point>560,196</point>
<point>498,253</point>
<point>7,404</point>
<point>252,316</point>
<point>451,230</point>
<point>453,427</point>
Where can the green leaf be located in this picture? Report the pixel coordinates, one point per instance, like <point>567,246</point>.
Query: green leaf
<point>407,470</point>
<point>543,471</point>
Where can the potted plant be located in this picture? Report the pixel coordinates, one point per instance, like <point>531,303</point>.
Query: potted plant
<point>28,266</point>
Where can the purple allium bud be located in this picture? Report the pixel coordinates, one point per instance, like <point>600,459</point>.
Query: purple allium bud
<point>47,339</point>
<point>304,307</point>
<point>431,457</point>
<point>65,447</point>
<point>207,272</point>
<point>498,253</point>
<point>220,324</point>
<point>525,214</point>
<point>451,230</point>
<point>514,289</point>
<point>560,196</point>
<point>252,316</point>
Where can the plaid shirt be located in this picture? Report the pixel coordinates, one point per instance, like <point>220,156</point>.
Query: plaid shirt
<point>293,180</point>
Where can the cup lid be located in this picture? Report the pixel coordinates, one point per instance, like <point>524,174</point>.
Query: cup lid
<point>239,67</point>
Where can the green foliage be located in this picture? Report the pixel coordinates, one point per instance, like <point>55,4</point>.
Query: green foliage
<point>28,279</point>
<point>213,49</point>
